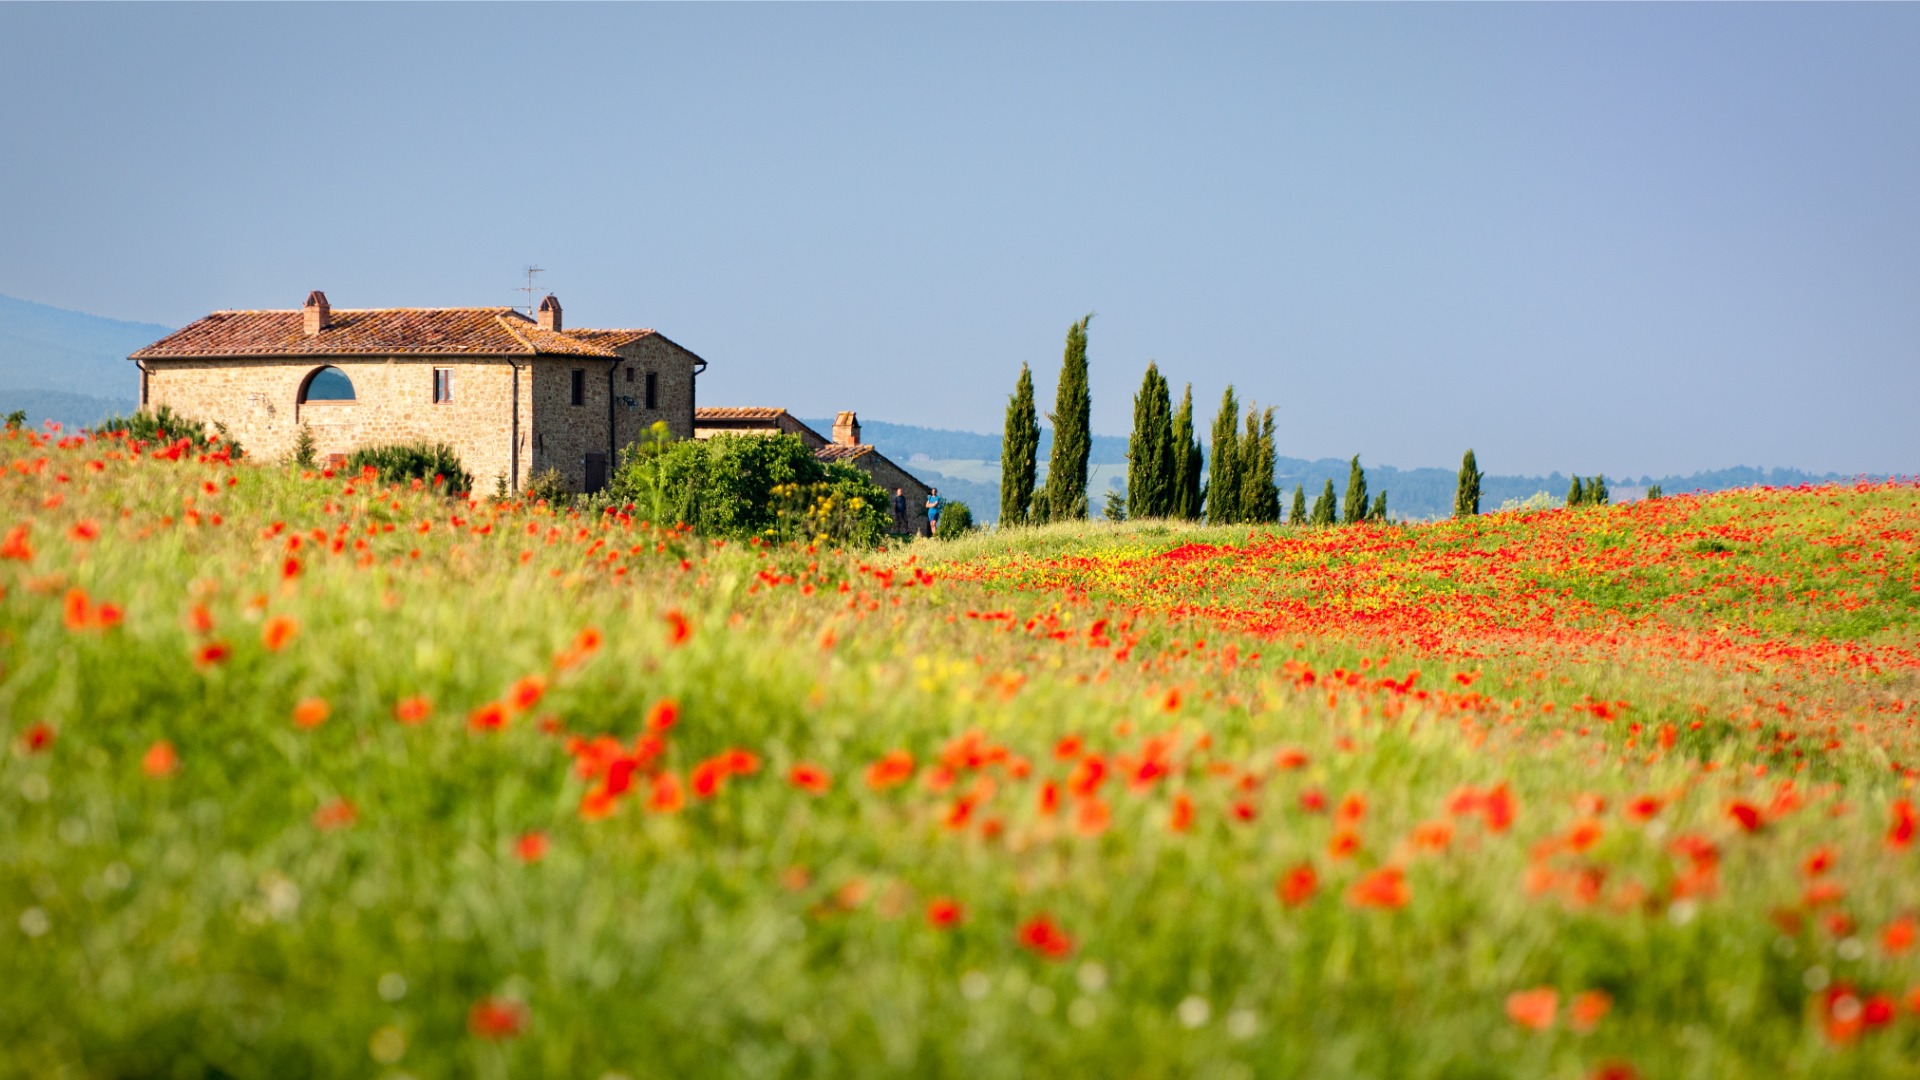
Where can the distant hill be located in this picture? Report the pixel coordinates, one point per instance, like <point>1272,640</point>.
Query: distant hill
<point>965,465</point>
<point>67,365</point>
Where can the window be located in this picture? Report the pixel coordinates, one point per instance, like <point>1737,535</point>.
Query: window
<point>629,373</point>
<point>442,385</point>
<point>328,384</point>
<point>653,390</point>
<point>579,386</point>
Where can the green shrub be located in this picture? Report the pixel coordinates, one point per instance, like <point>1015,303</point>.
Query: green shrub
<point>163,425</point>
<point>770,486</point>
<point>399,462</point>
<point>956,518</point>
<point>549,486</point>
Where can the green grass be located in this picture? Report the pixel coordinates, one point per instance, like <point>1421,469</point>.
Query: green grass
<point>202,923</point>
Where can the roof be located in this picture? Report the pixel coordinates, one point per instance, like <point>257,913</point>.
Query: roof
<point>483,331</point>
<point>842,451</point>
<point>737,412</point>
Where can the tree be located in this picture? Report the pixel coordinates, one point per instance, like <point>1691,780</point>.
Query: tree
<point>1576,493</point>
<point>1019,448</point>
<point>1653,491</point>
<point>1379,509</point>
<point>1323,507</point>
<point>1354,509</point>
<point>1150,472</point>
<point>1223,483</point>
<point>1298,515</point>
<point>1072,418</point>
<point>1466,493</point>
<point>1187,461</point>
<point>305,450</point>
<point>1597,491</point>
<point>1116,508</point>
<point>1259,498</point>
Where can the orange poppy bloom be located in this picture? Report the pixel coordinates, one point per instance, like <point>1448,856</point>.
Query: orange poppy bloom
<point>668,795</point>
<point>1898,936</point>
<point>1298,885</point>
<point>893,768</point>
<point>160,759</point>
<point>278,632</point>
<point>679,630</point>
<point>1091,817</point>
<point>1180,817</point>
<point>1384,888</point>
<point>1906,821</point>
<point>531,847</point>
<point>311,712</point>
<point>336,814</point>
<point>526,692</point>
<point>1534,1008</point>
<point>1589,1008</point>
<point>944,912</point>
<point>495,1019</point>
<point>663,714</point>
<point>413,710</point>
<point>489,717</point>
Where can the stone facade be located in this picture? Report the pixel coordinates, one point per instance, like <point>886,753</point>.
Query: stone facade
<point>509,410</point>
<point>845,446</point>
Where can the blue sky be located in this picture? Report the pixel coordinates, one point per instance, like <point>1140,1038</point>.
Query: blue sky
<point>1632,238</point>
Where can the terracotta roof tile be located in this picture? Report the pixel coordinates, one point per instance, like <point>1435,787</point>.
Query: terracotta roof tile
<point>842,451</point>
<point>737,412</point>
<point>487,331</point>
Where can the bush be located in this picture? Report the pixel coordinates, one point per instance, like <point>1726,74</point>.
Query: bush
<point>740,486</point>
<point>549,486</point>
<point>956,519</point>
<point>399,462</point>
<point>163,425</point>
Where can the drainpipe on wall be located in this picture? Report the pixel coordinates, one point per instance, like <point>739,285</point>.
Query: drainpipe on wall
<point>693,395</point>
<point>142,365</point>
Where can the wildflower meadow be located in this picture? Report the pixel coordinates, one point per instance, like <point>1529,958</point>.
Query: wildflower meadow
<point>305,774</point>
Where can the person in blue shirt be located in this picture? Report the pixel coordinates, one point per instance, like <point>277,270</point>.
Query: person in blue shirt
<point>933,511</point>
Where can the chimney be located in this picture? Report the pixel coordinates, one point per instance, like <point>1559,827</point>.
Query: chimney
<point>319,315</point>
<point>550,313</point>
<point>846,429</point>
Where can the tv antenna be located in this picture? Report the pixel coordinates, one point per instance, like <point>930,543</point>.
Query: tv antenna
<point>528,289</point>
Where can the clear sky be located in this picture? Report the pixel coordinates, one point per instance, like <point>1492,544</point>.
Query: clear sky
<point>1630,238</point>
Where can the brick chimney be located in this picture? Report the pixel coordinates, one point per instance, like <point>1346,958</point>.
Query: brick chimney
<point>846,429</point>
<point>319,315</point>
<point>550,313</point>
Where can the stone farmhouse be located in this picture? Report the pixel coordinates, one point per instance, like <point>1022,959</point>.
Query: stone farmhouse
<point>513,395</point>
<point>844,446</point>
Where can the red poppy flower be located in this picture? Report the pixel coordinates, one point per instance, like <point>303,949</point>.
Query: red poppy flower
<point>37,738</point>
<point>1898,936</point>
<point>489,717</point>
<point>495,1019</point>
<point>17,546</point>
<point>1534,1008</point>
<point>1180,816</point>
<point>531,847</point>
<point>944,912</point>
<point>1906,821</point>
<point>160,759</point>
<point>663,714</point>
<point>1384,888</point>
<point>810,778</point>
<point>1043,936</point>
<point>742,762</point>
<point>526,692</point>
<point>668,795</point>
<point>1746,814</point>
<point>894,768</point>
<point>311,712</point>
<point>335,814</point>
<point>1298,885</point>
<point>413,710</point>
<point>1049,798</point>
<point>678,628</point>
<point>1091,817</point>
<point>1589,1008</point>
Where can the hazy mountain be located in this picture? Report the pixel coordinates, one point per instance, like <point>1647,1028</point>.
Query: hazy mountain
<point>67,365</point>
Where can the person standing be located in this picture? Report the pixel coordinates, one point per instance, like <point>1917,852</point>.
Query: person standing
<point>933,511</point>
<point>900,510</point>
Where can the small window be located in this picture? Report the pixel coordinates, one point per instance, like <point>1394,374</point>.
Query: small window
<point>442,385</point>
<point>629,374</point>
<point>653,390</point>
<point>579,386</point>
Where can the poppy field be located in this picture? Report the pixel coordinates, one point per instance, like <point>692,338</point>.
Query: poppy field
<point>308,775</point>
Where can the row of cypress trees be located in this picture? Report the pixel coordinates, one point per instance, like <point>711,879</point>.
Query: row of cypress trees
<point>1065,496</point>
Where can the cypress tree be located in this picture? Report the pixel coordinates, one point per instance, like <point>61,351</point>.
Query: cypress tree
<point>1355,507</point>
<point>1266,494</point>
<point>1323,507</point>
<point>1379,510</point>
<point>1187,461</point>
<point>1298,516</point>
<point>1223,483</point>
<point>1072,441</point>
<point>1466,493</point>
<point>1653,491</point>
<point>1019,449</point>
<point>1597,491</point>
<point>1150,491</point>
<point>1576,493</point>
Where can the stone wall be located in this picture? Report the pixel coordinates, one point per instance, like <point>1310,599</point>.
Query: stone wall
<point>258,399</point>
<point>890,476</point>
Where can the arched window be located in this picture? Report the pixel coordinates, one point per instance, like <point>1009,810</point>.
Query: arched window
<point>327,384</point>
